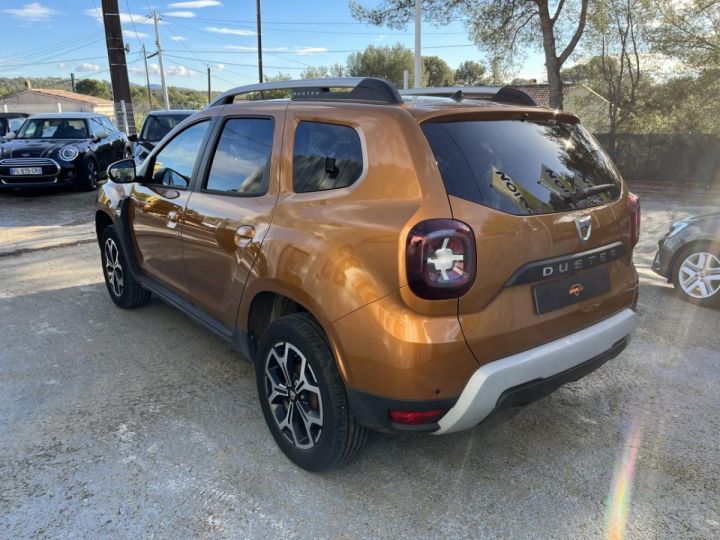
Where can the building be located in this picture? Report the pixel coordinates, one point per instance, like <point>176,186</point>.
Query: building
<point>578,99</point>
<point>43,100</point>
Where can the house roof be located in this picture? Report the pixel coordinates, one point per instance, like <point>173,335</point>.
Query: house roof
<point>64,94</point>
<point>541,92</point>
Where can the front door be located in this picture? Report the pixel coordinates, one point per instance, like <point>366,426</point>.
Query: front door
<point>158,203</point>
<point>228,217</point>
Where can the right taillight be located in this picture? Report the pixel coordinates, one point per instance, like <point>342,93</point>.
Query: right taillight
<point>440,259</point>
<point>634,204</point>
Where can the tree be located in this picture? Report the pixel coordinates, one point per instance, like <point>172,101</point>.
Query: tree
<point>690,31</point>
<point>320,72</point>
<point>501,26</point>
<point>93,87</point>
<point>436,72</point>
<point>384,62</point>
<point>616,31</point>
<point>470,73</point>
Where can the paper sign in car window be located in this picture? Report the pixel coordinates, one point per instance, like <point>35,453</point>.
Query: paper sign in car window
<point>520,197</point>
<point>555,182</point>
<point>584,183</point>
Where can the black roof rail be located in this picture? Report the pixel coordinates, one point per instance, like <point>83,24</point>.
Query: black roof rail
<point>366,89</point>
<point>502,94</point>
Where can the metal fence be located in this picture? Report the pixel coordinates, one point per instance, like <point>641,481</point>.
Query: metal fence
<point>687,158</point>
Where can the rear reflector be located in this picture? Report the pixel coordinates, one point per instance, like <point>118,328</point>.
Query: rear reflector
<point>415,418</point>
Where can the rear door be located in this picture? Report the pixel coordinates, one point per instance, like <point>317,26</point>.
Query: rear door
<point>229,214</point>
<point>158,203</point>
<point>552,257</point>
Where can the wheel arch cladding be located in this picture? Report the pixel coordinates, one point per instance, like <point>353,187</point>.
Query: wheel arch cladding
<point>102,222</point>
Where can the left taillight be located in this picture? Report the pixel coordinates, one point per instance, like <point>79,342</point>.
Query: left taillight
<point>440,259</point>
<point>634,204</point>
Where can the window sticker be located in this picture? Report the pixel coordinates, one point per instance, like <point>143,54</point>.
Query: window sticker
<point>520,197</point>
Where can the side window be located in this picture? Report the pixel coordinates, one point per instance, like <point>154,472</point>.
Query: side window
<point>96,127</point>
<point>173,165</point>
<point>109,126</point>
<point>240,163</point>
<point>326,156</point>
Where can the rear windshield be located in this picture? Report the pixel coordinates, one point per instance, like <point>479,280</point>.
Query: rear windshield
<point>523,167</point>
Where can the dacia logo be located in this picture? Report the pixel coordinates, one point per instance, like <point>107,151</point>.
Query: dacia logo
<point>576,289</point>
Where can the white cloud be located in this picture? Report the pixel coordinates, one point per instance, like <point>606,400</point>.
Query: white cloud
<point>196,4</point>
<point>87,67</point>
<point>219,67</point>
<point>178,38</point>
<point>180,14</point>
<point>154,69</point>
<point>128,33</point>
<point>303,51</point>
<point>62,65</point>
<point>125,18</point>
<point>231,31</point>
<point>33,11</point>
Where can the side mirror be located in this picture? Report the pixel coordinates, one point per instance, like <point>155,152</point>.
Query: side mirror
<point>10,135</point>
<point>122,172</point>
<point>132,138</point>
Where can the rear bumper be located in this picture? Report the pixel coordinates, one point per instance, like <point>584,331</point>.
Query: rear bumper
<point>532,374</point>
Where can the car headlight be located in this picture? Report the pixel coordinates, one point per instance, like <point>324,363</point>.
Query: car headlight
<point>679,226</point>
<point>68,153</point>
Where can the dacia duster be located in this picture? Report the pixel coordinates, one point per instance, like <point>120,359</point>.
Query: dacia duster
<point>390,262</point>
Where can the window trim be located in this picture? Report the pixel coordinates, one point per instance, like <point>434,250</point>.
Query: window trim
<point>363,151</point>
<point>211,156</point>
<point>198,159</point>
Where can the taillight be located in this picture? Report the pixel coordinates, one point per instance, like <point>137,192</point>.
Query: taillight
<point>634,204</point>
<point>440,259</point>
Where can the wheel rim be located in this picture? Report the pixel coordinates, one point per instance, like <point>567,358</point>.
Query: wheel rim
<point>113,268</point>
<point>92,174</point>
<point>699,275</point>
<point>293,394</point>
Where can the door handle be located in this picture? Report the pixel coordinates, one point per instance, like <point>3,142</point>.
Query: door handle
<point>244,234</point>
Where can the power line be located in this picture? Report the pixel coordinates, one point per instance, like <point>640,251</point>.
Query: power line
<point>305,52</point>
<point>235,63</point>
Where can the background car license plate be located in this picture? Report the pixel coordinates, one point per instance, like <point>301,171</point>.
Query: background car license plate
<point>17,171</point>
<point>571,290</point>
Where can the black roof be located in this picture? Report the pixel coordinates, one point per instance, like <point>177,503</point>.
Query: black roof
<point>13,115</point>
<point>172,112</point>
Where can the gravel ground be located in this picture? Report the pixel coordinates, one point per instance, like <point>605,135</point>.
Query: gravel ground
<point>139,423</point>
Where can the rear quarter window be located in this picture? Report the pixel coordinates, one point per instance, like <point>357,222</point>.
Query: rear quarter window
<point>325,156</point>
<point>522,167</point>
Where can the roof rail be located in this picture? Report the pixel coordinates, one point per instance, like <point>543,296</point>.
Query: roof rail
<point>367,89</point>
<point>503,94</point>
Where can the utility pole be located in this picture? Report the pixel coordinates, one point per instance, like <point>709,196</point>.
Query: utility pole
<point>166,99</point>
<point>418,57</point>
<point>209,89</point>
<point>72,81</point>
<point>259,34</point>
<point>116,59</point>
<point>147,77</point>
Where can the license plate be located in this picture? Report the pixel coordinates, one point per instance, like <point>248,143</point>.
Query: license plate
<point>571,290</point>
<point>19,171</point>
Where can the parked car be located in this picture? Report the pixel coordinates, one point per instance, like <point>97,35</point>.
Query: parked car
<point>689,258</point>
<point>61,149</point>
<point>157,124</point>
<point>398,264</point>
<point>10,122</point>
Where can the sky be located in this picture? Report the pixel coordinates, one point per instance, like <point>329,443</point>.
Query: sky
<point>59,37</point>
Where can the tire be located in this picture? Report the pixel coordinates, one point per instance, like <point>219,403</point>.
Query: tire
<point>696,274</point>
<point>121,285</point>
<point>90,174</point>
<point>336,439</point>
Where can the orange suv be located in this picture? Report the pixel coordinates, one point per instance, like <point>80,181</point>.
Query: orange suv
<point>397,262</point>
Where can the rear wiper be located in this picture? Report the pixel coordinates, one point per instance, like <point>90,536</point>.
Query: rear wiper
<point>589,192</point>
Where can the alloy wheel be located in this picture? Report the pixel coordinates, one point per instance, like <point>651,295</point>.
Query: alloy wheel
<point>113,268</point>
<point>293,393</point>
<point>699,275</point>
<point>92,174</point>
